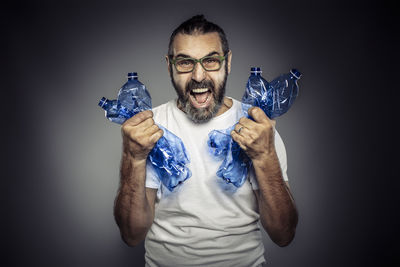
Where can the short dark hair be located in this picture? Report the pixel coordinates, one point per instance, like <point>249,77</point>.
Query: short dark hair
<point>198,24</point>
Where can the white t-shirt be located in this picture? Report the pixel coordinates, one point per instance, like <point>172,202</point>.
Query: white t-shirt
<point>204,221</point>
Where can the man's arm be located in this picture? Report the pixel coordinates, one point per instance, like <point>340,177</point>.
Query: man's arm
<point>134,204</point>
<point>277,209</point>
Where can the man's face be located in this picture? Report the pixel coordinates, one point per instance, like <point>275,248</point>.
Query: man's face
<point>201,92</point>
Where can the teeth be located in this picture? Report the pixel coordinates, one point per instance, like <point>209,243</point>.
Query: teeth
<point>200,90</point>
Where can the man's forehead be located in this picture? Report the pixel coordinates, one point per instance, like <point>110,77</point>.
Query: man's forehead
<point>197,45</point>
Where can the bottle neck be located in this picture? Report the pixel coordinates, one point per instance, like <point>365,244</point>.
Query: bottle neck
<point>256,73</point>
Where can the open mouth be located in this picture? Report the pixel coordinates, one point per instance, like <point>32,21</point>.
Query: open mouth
<point>200,97</point>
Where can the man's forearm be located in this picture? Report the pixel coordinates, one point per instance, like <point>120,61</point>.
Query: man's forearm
<point>132,211</point>
<point>276,205</point>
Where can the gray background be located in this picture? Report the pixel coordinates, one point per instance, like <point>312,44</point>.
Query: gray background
<point>61,156</point>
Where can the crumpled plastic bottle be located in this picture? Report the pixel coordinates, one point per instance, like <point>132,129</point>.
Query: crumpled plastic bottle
<point>168,157</point>
<point>274,99</point>
<point>235,163</point>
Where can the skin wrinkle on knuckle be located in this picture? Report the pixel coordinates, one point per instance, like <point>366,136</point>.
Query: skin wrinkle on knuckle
<point>248,122</point>
<point>132,135</point>
<point>237,127</point>
<point>236,138</point>
<point>126,127</point>
<point>155,137</point>
<point>243,147</point>
<point>246,142</point>
<point>139,117</point>
<point>253,135</point>
<point>233,136</point>
<point>154,128</point>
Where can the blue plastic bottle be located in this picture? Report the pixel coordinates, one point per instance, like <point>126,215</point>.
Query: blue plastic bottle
<point>256,92</point>
<point>133,98</point>
<point>274,98</point>
<point>284,90</point>
<point>169,156</point>
<point>236,163</point>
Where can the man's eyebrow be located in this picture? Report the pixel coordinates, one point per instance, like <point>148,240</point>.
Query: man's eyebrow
<point>186,56</point>
<point>212,53</point>
<point>182,55</point>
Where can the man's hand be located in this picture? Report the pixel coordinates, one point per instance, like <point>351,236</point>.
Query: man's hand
<point>140,134</point>
<point>256,137</point>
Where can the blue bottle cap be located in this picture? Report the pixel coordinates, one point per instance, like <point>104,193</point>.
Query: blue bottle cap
<point>255,70</point>
<point>295,73</point>
<point>102,101</point>
<point>132,74</point>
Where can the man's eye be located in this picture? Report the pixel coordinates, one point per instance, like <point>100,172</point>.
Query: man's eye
<point>185,62</point>
<point>211,60</point>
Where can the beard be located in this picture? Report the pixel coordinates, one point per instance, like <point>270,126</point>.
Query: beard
<point>201,115</point>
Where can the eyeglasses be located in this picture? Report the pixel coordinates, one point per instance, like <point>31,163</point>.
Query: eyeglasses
<point>209,63</point>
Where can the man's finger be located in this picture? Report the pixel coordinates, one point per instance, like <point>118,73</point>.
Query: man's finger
<point>257,114</point>
<point>248,123</point>
<point>157,135</point>
<point>238,139</point>
<point>239,128</point>
<point>151,130</point>
<point>146,123</point>
<point>138,118</point>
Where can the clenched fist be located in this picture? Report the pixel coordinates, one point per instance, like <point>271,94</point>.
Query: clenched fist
<point>140,134</point>
<point>256,137</point>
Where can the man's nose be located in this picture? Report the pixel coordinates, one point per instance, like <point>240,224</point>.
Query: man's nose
<point>199,73</point>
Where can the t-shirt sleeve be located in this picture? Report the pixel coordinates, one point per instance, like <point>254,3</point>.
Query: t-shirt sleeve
<point>152,180</point>
<point>281,153</point>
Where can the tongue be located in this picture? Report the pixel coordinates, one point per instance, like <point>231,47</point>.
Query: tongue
<point>201,98</point>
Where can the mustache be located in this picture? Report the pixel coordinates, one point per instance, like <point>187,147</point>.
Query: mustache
<point>203,84</point>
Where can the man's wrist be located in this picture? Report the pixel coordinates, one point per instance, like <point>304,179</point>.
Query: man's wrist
<point>135,161</point>
<point>266,160</point>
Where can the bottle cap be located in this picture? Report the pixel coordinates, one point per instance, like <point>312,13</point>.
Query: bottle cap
<point>132,74</point>
<point>295,73</point>
<point>255,70</point>
<point>102,101</point>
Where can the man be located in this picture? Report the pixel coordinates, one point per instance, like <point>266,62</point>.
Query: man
<point>204,221</point>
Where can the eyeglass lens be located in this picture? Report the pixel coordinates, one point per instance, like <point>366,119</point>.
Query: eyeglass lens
<point>209,63</point>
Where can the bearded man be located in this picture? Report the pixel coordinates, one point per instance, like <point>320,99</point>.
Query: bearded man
<point>204,221</point>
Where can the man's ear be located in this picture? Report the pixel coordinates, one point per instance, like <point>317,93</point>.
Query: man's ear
<point>229,60</point>
<point>168,64</point>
